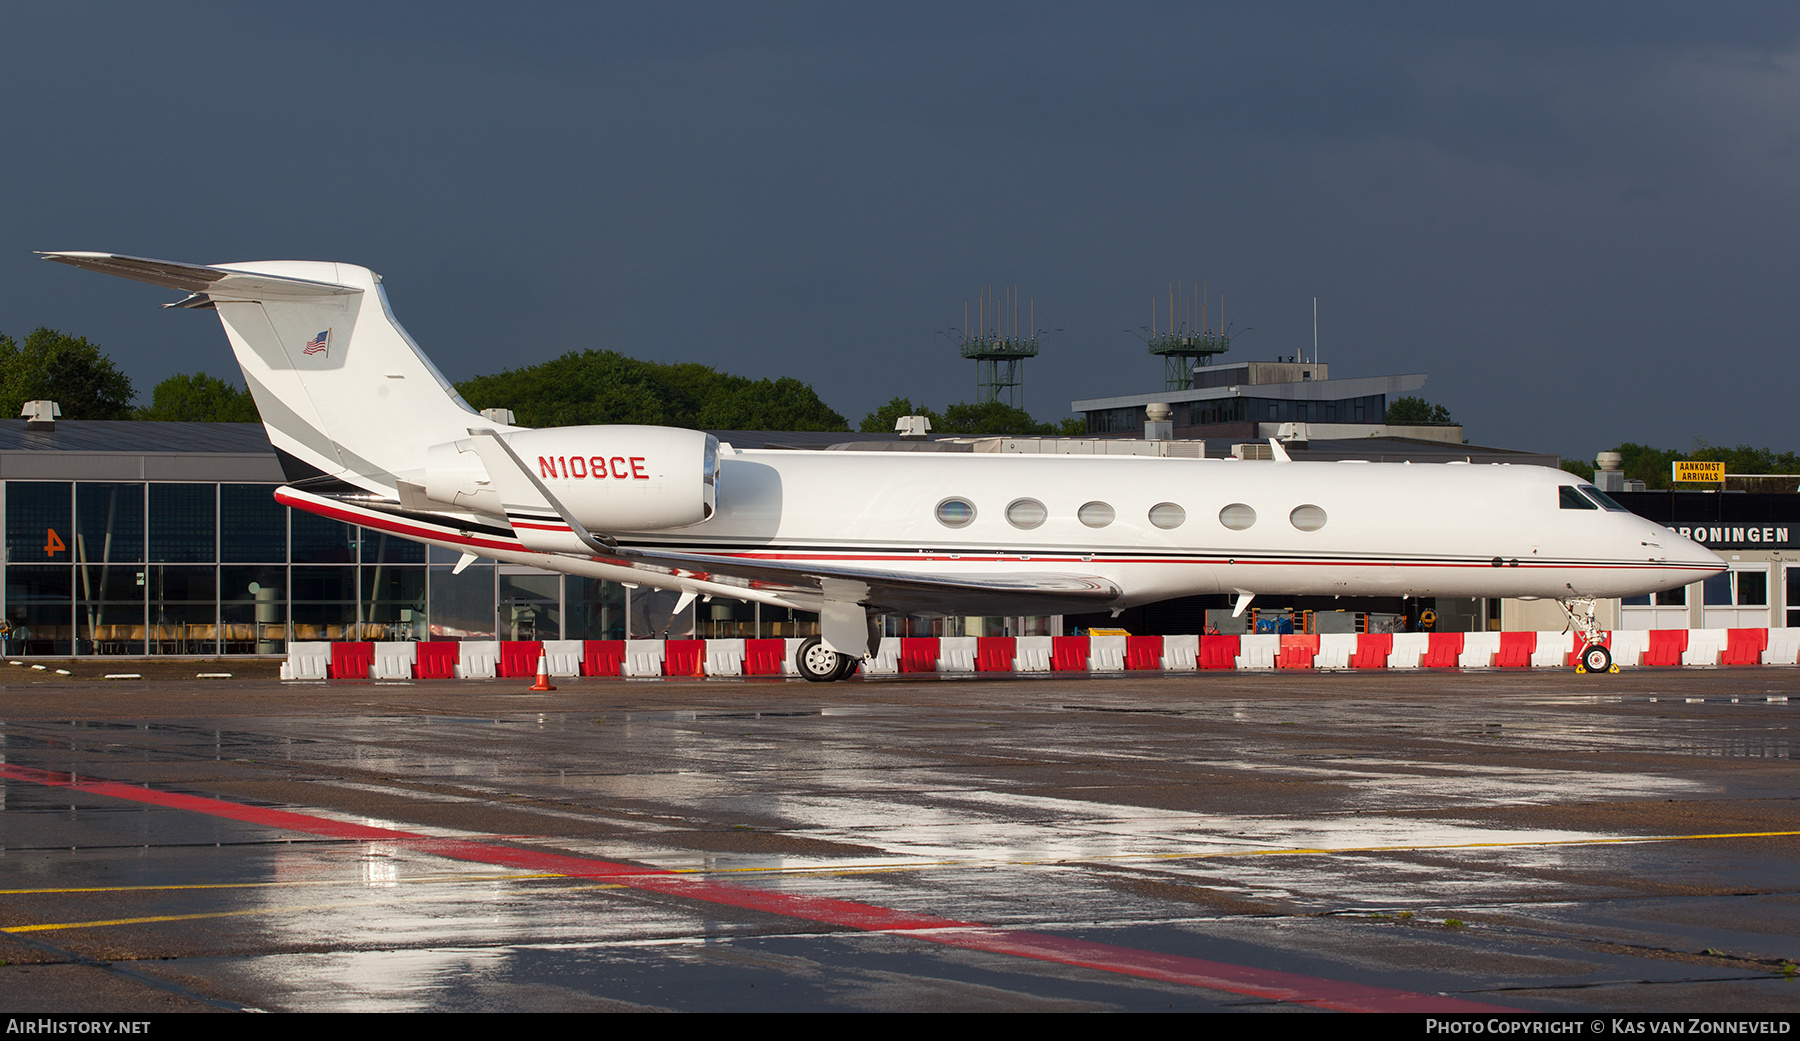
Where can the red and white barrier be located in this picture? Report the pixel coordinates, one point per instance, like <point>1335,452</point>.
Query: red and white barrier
<point>1628,647</point>
<point>478,659</point>
<point>394,660</point>
<point>1784,647</point>
<point>956,653</point>
<point>488,659</point>
<point>1181,653</point>
<point>1032,653</point>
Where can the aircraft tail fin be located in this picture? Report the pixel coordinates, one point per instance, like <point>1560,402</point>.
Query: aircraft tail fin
<point>343,391</point>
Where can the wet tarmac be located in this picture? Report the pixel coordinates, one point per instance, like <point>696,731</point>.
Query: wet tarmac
<point>1280,842</point>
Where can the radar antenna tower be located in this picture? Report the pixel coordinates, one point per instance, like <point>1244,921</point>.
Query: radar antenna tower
<point>1184,340</point>
<point>998,347</point>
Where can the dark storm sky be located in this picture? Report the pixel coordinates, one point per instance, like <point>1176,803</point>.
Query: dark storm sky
<point>1581,221</point>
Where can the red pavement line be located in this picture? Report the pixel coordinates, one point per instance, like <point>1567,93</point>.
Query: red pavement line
<point>1170,968</point>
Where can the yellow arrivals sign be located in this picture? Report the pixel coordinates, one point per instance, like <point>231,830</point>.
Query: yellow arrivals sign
<point>1700,473</point>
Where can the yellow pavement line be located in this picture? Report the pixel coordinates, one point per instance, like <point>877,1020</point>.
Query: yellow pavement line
<point>868,869</point>
<point>1612,840</point>
<point>280,885</point>
<point>821,870</point>
<point>164,918</point>
<point>861,869</point>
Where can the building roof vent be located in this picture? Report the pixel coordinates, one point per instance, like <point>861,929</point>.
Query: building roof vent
<point>1608,477</point>
<point>912,426</point>
<point>1159,421</point>
<point>40,415</point>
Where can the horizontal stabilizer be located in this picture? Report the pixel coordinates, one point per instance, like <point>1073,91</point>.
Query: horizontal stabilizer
<point>213,282</point>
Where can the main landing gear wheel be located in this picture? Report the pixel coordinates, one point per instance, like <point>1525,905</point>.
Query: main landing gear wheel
<point>820,664</point>
<point>1595,658</point>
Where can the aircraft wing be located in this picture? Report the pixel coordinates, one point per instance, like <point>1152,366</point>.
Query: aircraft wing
<point>903,592</point>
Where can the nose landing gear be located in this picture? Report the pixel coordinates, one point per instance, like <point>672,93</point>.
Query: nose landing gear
<point>1594,656</point>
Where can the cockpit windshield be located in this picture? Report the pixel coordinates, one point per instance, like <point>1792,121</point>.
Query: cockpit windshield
<point>1586,497</point>
<point>1606,501</point>
<point>1570,499</point>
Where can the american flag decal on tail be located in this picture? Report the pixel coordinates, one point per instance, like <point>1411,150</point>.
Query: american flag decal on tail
<point>320,344</point>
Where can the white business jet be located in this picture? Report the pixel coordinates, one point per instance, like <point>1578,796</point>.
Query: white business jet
<point>370,433</point>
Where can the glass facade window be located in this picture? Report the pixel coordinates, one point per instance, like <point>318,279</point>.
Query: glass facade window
<point>1737,588</point>
<point>109,608</point>
<point>321,540</point>
<point>109,523</point>
<point>40,608</point>
<point>252,525</point>
<point>1676,597</point>
<point>786,622</point>
<point>323,603</point>
<point>183,611</point>
<point>38,515</point>
<point>378,547</point>
<point>530,606</point>
<point>596,609</point>
<point>654,617</point>
<point>393,602</point>
<point>184,523</point>
<point>462,606</point>
<point>196,568</point>
<point>253,609</point>
<point>726,620</point>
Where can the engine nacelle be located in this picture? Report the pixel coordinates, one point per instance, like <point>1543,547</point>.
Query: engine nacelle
<point>611,478</point>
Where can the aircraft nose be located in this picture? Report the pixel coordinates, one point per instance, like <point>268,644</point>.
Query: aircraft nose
<point>1695,555</point>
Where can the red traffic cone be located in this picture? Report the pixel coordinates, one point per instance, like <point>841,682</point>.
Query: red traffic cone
<point>543,677</point>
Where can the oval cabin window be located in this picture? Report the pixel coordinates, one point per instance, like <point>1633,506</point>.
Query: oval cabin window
<point>1237,516</point>
<point>1307,518</point>
<point>1095,514</point>
<point>1026,513</point>
<point>1167,515</point>
<point>955,513</point>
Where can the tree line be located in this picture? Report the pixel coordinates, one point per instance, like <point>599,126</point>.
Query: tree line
<point>581,387</point>
<point>84,382</point>
<point>1653,466</point>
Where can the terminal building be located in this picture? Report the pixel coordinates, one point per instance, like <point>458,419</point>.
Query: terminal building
<point>1255,399</point>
